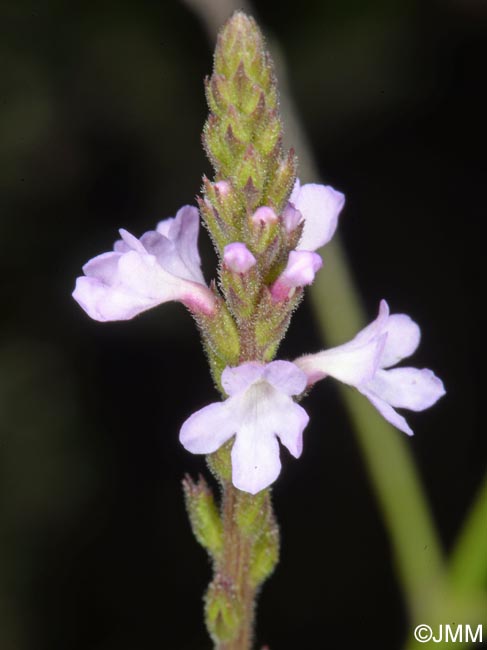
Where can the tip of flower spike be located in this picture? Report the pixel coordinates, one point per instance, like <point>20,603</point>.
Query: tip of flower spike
<point>240,40</point>
<point>239,21</point>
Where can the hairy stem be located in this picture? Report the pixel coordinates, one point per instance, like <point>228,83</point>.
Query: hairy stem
<point>235,568</point>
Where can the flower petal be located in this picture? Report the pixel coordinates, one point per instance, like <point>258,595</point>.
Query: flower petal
<point>301,268</point>
<point>142,275</point>
<point>119,293</point>
<point>320,206</point>
<point>350,363</point>
<point>103,267</point>
<point>295,193</point>
<point>376,327</point>
<point>255,460</point>
<point>237,379</point>
<point>408,388</point>
<point>285,377</point>
<point>292,427</point>
<point>183,231</point>
<point>120,286</point>
<point>104,303</point>
<point>264,413</point>
<point>403,337</point>
<point>131,242</point>
<point>209,428</point>
<point>164,227</point>
<point>387,412</point>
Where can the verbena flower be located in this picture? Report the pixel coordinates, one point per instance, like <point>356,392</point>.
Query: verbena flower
<point>365,363</point>
<point>318,208</point>
<point>163,265</point>
<point>258,411</point>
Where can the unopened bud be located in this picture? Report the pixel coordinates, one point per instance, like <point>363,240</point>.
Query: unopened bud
<point>223,610</point>
<point>300,271</point>
<point>223,187</point>
<point>251,511</point>
<point>264,216</point>
<point>238,258</point>
<point>203,514</point>
<point>265,555</point>
<point>291,217</point>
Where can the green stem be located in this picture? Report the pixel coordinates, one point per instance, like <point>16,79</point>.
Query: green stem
<point>468,564</point>
<point>234,569</point>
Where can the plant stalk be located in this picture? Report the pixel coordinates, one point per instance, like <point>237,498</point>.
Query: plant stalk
<point>235,568</point>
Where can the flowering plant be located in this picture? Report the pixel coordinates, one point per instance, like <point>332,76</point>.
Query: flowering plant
<point>266,228</point>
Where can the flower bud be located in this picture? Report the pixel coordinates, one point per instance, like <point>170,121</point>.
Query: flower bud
<point>203,514</point>
<point>237,258</point>
<point>251,512</point>
<point>264,216</point>
<point>223,610</point>
<point>291,217</point>
<point>300,271</point>
<point>222,187</point>
<point>265,554</point>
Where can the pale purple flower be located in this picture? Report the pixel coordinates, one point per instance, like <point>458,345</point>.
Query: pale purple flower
<point>319,207</point>
<point>365,362</point>
<point>139,274</point>
<point>258,411</point>
<point>300,271</point>
<point>238,258</point>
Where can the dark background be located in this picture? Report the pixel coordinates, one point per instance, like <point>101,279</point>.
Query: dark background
<point>101,109</point>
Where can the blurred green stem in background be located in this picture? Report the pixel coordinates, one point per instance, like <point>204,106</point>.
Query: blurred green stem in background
<point>433,591</point>
<point>468,565</point>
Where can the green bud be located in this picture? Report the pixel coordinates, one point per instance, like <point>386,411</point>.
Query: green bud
<point>272,322</point>
<point>223,610</point>
<point>251,512</point>
<point>220,462</point>
<point>241,291</point>
<point>249,167</point>
<point>216,147</point>
<point>266,241</point>
<point>265,554</point>
<point>279,189</point>
<point>203,514</point>
<point>214,223</point>
<point>269,135</point>
<point>221,340</point>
